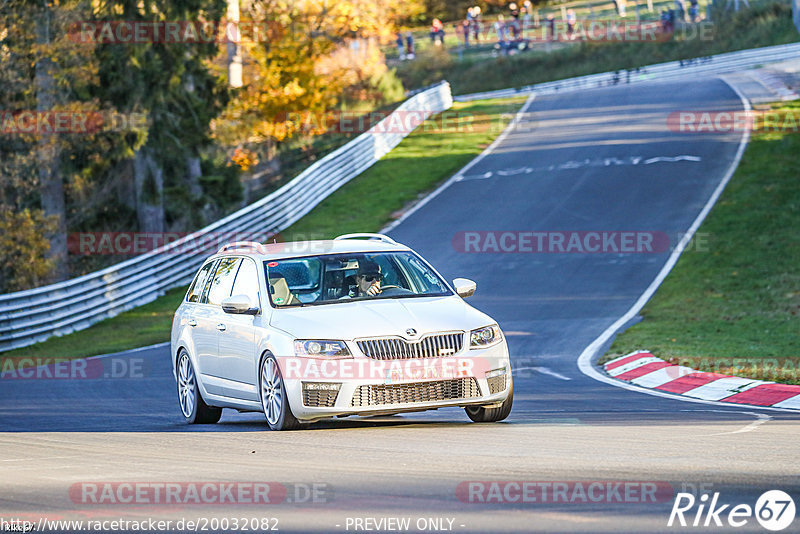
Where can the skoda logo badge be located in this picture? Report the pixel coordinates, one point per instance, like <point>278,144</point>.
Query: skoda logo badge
<point>411,332</point>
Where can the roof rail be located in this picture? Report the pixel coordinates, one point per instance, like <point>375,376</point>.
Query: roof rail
<point>240,244</point>
<point>379,237</point>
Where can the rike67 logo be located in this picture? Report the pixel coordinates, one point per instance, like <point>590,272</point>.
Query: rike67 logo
<point>774,510</point>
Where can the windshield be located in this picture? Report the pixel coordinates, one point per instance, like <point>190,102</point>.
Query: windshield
<point>336,278</point>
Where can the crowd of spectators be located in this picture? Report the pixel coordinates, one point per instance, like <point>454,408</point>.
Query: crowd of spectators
<point>509,30</point>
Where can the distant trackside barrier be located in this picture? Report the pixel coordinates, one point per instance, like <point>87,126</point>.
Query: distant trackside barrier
<point>709,65</point>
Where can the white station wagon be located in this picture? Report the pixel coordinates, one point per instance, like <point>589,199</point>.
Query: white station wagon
<point>359,325</point>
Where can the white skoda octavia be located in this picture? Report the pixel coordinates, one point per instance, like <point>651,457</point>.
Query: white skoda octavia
<point>360,325</point>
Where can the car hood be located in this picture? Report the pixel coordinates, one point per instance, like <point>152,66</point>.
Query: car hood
<point>370,318</point>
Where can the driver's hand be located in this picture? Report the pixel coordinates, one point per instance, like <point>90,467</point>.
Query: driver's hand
<point>374,289</point>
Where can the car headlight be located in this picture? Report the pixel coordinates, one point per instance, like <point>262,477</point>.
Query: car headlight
<point>485,337</point>
<point>321,348</point>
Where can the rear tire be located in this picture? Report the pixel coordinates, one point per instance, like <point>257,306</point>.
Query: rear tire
<point>479,414</point>
<point>194,409</point>
<point>274,400</point>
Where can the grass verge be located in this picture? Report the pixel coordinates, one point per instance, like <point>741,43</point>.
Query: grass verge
<point>732,304</point>
<point>423,160</point>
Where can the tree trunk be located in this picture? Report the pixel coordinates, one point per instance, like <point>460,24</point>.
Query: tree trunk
<point>193,174</point>
<point>149,184</point>
<point>234,45</point>
<point>48,154</point>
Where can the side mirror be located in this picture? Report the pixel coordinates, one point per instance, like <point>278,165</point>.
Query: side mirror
<point>464,287</point>
<point>239,304</point>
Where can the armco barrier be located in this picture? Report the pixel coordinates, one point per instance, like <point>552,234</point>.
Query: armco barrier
<point>27,317</point>
<point>710,65</point>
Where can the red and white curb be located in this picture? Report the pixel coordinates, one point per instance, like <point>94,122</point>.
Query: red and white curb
<point>645,370</point>
<point>772,82</point>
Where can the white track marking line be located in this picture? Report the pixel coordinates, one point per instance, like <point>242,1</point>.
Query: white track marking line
<point>130,351</point>
<point>585,359</point>
<point>761,418</point>
<point>460,174</point>
<point>544,371</point>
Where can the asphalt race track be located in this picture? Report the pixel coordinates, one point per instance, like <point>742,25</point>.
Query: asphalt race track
<point>598,161</point>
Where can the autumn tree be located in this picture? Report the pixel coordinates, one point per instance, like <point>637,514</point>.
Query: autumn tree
<point>170,82</point>
<point>296,70</point>
<point>43,74</point>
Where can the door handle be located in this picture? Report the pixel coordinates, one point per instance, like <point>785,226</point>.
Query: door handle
<point>192,322</point>
<point>221,327</point>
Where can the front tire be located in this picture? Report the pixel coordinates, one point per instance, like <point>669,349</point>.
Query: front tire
<point>479,414</point>
<point>193,407</point>
<point>274,400</point>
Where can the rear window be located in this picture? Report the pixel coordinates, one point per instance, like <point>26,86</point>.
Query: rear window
<point>196,289</point>
<point>222,282</point>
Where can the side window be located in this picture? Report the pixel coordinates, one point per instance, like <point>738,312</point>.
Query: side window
<point>222,282</point>
<point>247,281</point>
<point>196,289</point>
<point>391,274</point>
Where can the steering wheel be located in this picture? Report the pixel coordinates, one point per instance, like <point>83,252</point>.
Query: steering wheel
<point>393,290</point>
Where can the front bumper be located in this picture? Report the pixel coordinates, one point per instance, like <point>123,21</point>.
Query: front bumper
<point>370,387</point>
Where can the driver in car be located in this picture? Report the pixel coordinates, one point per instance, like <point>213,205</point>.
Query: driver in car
<point>368,280</point>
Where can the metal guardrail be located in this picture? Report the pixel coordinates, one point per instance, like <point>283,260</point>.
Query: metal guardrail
<point>709,65</point>
<point>27,317</point>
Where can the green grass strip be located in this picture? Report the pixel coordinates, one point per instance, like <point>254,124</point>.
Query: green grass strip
<point>732,302</point>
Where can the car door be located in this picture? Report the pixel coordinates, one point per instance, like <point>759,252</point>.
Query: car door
<point>211,323</point>
<point>203,332</point>
<point>237,346</point>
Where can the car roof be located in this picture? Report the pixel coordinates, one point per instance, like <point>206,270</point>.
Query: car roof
<point>296,249</point>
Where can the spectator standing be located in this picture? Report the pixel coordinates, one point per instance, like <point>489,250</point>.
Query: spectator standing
<point>410,52</point>
<point>551,27</point>
<point>694,11</point>
<point>476,23</point>
<point>527,13</point>
<point>470,16</point>
<point>464,30</point>
<point>571,20</point>
<point>500,28</point>
<point>680,8</point>
<point>437,32</point>
<point>514,21</point>
<point>400,46</point>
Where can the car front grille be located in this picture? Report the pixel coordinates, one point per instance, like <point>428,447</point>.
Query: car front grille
<point>319,398</point>
<point>459,388</point>
<point>497,384</point>
<point>397,348</point>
